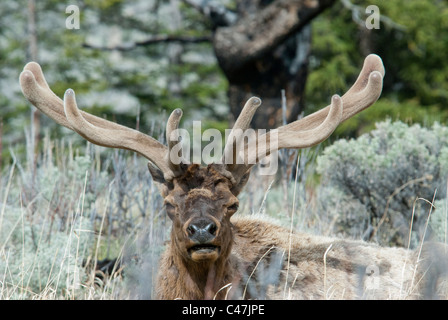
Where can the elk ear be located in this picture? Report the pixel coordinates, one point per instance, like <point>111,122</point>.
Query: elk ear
<point>157,176</point>
<point>238,187</point>
<point>156,173</point>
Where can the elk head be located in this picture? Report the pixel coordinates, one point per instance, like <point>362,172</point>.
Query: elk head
<point>201,200</point>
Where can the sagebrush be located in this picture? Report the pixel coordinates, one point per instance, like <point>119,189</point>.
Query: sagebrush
<point>382,181</point>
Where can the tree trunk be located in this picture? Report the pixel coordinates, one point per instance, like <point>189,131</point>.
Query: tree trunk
<point>265,50</point>
<point>32,56</point>
<point>284,69</point>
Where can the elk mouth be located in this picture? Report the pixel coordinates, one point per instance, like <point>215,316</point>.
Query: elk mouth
<point>204,252</point>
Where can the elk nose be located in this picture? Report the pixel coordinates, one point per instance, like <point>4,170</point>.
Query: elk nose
<point>202,232</point>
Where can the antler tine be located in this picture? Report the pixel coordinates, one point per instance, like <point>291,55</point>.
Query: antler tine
<point>122,138</point>
<point>36,90</point>
<point>363,93</point>
<point>316,127</point>
<point>287,139</point>
<point>172,139</point>
<point>241,124</point>
<point>246,115</point>
<point>94,129</point>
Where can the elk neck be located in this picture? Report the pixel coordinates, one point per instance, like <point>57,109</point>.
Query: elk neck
<point>206,277</point>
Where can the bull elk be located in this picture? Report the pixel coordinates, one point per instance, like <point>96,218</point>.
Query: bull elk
<point>212,254</point>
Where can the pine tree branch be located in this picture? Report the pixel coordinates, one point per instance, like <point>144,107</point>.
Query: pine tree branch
<point>218,14</point>
<point>358,12</point>
<point>255,35</point>
<point>151,41</point>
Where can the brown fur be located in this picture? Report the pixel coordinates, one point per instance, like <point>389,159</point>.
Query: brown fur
<point>307,266</point>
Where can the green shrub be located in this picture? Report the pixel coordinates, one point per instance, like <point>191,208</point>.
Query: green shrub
<point>375,184</point>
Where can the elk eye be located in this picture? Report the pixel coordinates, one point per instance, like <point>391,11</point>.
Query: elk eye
<point>169,206</point>
<point>233,208</point>
<point>170,209</point>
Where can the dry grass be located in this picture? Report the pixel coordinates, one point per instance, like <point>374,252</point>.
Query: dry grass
<point>69,208</point>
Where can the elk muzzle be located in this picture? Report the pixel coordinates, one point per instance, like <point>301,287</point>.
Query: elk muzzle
<point>202,233</point>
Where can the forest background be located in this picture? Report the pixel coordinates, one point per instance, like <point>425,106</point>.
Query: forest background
<point>136,61</point>
<point>145,58</point>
